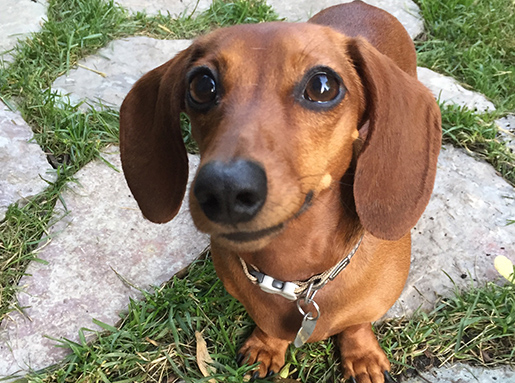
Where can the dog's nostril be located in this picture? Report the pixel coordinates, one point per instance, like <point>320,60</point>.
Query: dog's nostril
<point>247,199</point>
<point>208,200</point>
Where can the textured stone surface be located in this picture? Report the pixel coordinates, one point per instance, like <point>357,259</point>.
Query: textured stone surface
<point>103,234</point>
<point>462,373</point>
<point>110,74</point>
<point>24,165</point>
<point>506,127</point>
<point>173,7</point>
<point>450,91</point>
<point>406,11</point>
<point>18,19</point>
<point>462,230</point>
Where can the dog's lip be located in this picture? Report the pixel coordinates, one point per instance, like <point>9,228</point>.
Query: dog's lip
<point>248,236</point>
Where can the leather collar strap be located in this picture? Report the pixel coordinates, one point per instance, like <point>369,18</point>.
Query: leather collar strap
<point>297,289</point>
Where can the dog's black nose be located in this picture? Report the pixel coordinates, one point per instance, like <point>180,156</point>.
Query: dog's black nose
<point>232,192</point>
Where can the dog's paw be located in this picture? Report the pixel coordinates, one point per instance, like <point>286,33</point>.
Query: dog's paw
<point>363,359</point>
<point>260,348</point>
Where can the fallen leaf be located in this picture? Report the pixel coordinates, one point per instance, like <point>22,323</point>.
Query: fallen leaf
<point>504,266</point>
<point>285,371</point>
<point>204,360</point>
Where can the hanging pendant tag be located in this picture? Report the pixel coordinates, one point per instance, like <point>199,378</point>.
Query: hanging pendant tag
<point>306,329</point>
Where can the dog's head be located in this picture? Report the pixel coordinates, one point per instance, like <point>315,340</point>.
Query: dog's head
<point>276,110</point>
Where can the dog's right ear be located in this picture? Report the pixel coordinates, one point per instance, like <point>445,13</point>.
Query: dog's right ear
<point>154,158</point>
<point>396,167</point>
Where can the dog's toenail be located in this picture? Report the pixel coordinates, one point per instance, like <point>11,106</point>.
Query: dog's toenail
<point>388,378</point>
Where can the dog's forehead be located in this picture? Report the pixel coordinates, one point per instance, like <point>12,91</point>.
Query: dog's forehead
<point>274,45</point>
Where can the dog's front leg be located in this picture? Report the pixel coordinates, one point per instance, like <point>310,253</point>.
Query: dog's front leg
<point>264,349</point>
<point>363,359</point>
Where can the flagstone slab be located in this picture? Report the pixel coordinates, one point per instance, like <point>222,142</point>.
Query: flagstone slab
<point>173,7</point>
<point>17,20</point>
<point>108,75</point>
<point>24,166</point>
<point>448,90</point>
<point>462,373</point>
<point>465,226</point>
<point>101,248</point>
<point>406,11</point>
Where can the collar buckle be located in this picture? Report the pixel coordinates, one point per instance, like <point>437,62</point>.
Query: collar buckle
<point>275,286</point>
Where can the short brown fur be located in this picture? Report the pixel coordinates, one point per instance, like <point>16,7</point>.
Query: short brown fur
<point>369,163</point>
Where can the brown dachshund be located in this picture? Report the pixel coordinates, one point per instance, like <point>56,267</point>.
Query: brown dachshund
<point>317,144</point>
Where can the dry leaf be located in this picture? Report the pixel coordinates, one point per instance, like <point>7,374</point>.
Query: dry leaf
<point>504,266</point>
<point>204,360</point>
<point>285,371</point>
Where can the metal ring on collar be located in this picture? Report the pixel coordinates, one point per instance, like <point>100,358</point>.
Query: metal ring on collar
<point>315,305</point>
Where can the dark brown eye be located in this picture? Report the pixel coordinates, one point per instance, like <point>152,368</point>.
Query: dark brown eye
<point>322,87</point>
<point>203,88</point>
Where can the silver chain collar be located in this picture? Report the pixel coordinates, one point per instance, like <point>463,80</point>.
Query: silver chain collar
<point>296,290</point>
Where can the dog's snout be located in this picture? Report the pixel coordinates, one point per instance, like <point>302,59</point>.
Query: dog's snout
<point>232,192</point>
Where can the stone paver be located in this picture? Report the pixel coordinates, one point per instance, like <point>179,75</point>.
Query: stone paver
<point>173,7</point>
<point>103,234</point>
<point>24,166</point>
<point>462,373</point>
<point>450,91</point>
<point>461,232</point>
<point>17,20</point>
<point>110,74</point>
<point>406,11</point>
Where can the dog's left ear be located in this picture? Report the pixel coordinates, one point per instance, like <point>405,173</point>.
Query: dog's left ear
<point>154,158</point>
<point>396,167</point>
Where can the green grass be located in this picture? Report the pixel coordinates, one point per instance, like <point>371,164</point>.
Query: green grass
<point>478,134</point>
<point>157,337</point>
<point>155,342</point>
<point>475,326</point>
<point>474,42</point>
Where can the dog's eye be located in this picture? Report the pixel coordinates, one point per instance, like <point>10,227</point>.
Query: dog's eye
<point>322,87</point>
<point>203,89</point>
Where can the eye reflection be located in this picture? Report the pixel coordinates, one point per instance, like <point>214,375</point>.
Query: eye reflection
<point>203,89</point>
<point>322,87</point>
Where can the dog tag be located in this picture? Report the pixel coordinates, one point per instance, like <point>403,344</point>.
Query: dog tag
<point>306,329</point>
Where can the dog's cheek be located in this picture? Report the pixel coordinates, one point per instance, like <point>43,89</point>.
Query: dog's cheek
<point>204,127</point>
<point>341,144</point>
<point>325,149</point>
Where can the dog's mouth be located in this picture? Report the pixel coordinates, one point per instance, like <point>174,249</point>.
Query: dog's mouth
<point>249,236</point>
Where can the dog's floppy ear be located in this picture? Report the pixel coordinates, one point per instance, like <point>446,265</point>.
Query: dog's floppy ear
<point>153,154</point>
<point>396,167</point>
